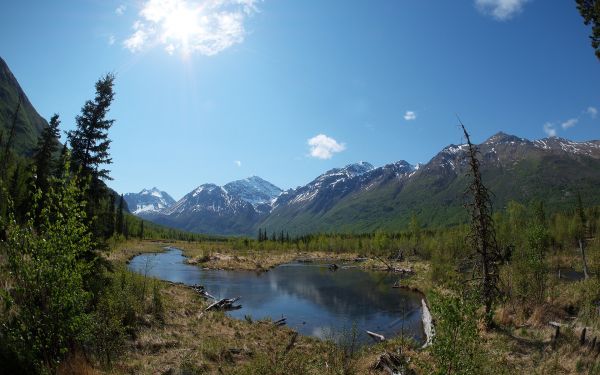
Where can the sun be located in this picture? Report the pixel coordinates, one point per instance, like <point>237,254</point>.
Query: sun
<point>181,24</point>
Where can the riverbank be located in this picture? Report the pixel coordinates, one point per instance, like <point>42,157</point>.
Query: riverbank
<point>200,342</point>
<point>194,341</point>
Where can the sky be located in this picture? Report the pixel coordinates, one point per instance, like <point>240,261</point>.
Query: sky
<point>219,90</point>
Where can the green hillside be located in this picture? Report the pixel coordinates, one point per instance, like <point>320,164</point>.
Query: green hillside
<point>29,123</point>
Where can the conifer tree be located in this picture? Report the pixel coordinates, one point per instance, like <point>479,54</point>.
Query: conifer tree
<point>590,11</point>
<point>89,151</point>
<point>119,220</point>
<point>90,142</point>
<point>482,234</point>
<point>43,158</point>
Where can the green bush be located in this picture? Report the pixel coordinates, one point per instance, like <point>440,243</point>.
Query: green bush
<point>48,304</point>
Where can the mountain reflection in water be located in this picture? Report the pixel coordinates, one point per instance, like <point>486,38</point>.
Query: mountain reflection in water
<point>315,300</point>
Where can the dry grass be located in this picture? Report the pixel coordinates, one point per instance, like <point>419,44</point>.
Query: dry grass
<point>210,342</point>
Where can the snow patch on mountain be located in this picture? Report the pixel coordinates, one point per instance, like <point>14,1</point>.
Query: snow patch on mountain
<point>148,201</point>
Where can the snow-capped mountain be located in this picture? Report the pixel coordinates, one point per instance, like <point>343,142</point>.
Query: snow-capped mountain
<point>254,190</point>
<point>360,197</point>
<point>230,209</point>
<point>148,201</point>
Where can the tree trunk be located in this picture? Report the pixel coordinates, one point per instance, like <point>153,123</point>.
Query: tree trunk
<point>583,259</point>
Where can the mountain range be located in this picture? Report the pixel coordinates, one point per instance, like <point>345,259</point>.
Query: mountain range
<point>362,198</point>
<point>358,197</point>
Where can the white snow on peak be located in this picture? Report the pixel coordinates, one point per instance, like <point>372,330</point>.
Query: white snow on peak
<point>455,149</point>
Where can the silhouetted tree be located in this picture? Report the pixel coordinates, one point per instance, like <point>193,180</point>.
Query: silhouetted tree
<point>590,11</point>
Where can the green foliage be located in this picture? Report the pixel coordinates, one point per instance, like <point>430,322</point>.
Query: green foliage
<point>529,266</point>
<point>48,303</point>
<point>457,345</point>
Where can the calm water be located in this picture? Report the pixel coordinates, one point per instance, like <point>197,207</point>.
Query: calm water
<point>315,300</point>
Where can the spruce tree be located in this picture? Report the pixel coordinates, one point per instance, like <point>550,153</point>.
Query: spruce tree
<point>119,221</point>
<point>89,151</point>
<point>89,142</point>
<point>43,158</point>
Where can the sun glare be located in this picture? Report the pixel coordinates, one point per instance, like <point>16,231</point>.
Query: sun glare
<point>181,24</point>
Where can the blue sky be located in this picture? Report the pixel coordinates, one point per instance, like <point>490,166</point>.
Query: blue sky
<point>217,90</point>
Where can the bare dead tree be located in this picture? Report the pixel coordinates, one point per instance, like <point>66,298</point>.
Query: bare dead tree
<point>482,235</point>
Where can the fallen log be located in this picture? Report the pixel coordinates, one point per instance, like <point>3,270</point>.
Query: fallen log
<point>200,290</point>
<point>224,303</point>
<point>376,336</point>
<point>280,322</point>
<point>427,324</point>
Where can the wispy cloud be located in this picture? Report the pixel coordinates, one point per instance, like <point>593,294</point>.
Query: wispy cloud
<point>323,147</point>
<point>501,10</point>
<point>204,26</point>
<point>111,40</point>
<point>410,116</point>
<point>550,129</point>
<point>237,163</point>
<point>569,123</point>
<point>121,9</point>
<point>592,111</point>
<point>139,38</point>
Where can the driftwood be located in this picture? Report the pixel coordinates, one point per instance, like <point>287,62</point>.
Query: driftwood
<point>224,304</point>
<point>393,364</point>
<point>376,336</point>
<point>202,292</point>
<point>392,268</point>
<point>427,324</point>
<point>280,322</point>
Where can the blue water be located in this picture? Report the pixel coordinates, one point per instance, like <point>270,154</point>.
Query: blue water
<point>316,301</point>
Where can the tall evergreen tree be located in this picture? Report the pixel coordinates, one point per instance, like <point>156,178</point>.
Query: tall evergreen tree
<point>119,221</point>
<point>90,142</point>
<point>43,158</point>
<point>89,151</point>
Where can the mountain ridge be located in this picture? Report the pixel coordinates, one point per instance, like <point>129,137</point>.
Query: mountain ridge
<point>361,197</point>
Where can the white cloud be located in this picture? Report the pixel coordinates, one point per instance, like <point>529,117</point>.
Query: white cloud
<point>569,123</point>
<point>410,116</point>
<point>323,147</point>
<point>111,40</point>
<point>204,26</point>
<point>592,111</point>
<point>501,10</point>
<point>136,41</point>
<point>549,129</point>
<point>237,163</point>
<point>121,9</point>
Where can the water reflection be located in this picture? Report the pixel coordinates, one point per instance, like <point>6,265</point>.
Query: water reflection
<point>315,300</point>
